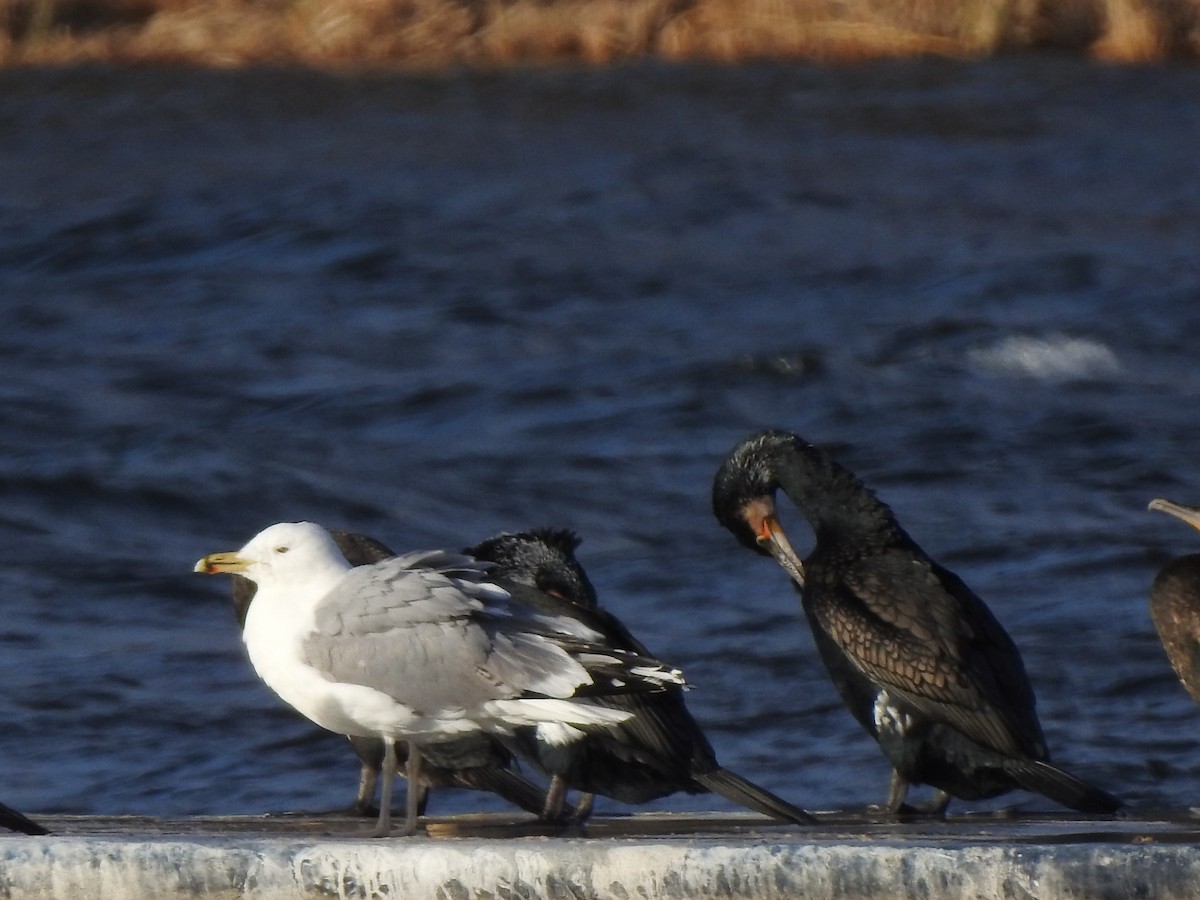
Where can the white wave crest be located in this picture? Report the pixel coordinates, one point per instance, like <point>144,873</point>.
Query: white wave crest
<point>1053,356</point>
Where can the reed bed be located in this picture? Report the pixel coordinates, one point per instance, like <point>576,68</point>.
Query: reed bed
<point>432,34</point>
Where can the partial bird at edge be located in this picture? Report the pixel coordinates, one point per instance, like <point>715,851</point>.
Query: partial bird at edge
<point>1175,603</point>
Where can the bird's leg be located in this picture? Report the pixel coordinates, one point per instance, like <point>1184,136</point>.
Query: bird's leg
<point>422,795</point>
<point>383,824</point>
<point>583,808</point>
<point>555,796</point>
<point>937,806</point>
<point>367,779</point>
<point>897,794</point>
<point>416,794</point>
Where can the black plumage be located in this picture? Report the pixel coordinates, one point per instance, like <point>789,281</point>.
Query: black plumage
<point>15,821</point>
<point>658,752</point>
<point>917,657</point>
<point>478,762</point>
<point>1175,604</point>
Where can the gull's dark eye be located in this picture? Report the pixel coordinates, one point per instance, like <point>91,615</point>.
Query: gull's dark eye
<point>282,549</point>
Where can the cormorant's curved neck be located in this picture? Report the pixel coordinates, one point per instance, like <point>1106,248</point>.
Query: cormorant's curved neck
<point>835,502</point>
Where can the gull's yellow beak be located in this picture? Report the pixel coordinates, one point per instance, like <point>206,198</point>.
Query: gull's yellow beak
<point>1189,514</point>
<point>216,563</point>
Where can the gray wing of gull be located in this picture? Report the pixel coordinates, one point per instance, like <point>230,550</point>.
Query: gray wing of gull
<point>435,638</point>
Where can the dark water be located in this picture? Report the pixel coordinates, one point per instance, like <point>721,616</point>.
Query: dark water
<point>434,309</point>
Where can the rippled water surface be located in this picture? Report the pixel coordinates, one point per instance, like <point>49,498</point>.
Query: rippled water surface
<point>433,309</point>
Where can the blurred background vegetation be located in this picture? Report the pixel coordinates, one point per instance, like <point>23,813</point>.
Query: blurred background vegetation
<point>439,33</point>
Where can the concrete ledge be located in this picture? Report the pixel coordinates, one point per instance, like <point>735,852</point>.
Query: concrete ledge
<point>656,856</point>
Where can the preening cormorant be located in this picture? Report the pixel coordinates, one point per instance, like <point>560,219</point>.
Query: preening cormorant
<point>1175,604</point>
<point>917,657</point>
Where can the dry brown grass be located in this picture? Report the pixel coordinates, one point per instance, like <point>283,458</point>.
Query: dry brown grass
<point>439,33</point>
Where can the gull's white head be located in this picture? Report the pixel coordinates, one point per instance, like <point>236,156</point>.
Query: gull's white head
<point>288,551</point>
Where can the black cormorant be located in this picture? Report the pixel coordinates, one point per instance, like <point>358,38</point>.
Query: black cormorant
<point>917,657</point>
<point>661,750</point>
<point>1175,604</point>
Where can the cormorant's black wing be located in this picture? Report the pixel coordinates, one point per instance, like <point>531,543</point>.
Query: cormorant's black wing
<point>997,662</point>
<point>918,631</point>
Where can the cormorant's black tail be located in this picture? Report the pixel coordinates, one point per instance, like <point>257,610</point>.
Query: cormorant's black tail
<point>736,789</point>
<point>505,782</point>
<point>1062,787</point>
<point>12,819</point>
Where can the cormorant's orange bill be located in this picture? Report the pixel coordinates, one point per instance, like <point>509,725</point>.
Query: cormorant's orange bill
<point>217,563</point>
<point>772,538</point>
<point>1189,514</point>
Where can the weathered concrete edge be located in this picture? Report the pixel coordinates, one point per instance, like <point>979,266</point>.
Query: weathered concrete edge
<point>133,869</point>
